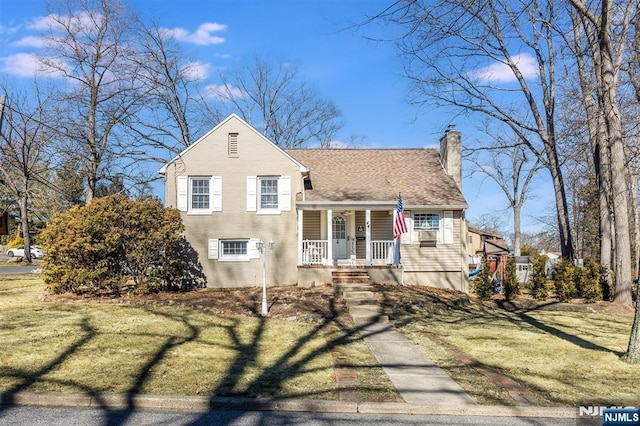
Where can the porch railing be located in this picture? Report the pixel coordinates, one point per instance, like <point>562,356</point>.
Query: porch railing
<point>315,252</point>
<point>382,252</point>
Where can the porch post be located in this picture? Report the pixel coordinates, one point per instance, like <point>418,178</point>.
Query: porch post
<point>367,238</point>
<point>300,229</point>
<point>330,237</point>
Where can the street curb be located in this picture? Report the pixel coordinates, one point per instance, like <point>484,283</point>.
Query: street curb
<point>203,403</point>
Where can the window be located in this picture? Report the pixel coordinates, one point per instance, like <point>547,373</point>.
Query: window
<point>233,145</point>
<point>426,222</point>
<point>199,195</point>
<point>234,248</point>
<point>268,193</point>
<point>200,191</point>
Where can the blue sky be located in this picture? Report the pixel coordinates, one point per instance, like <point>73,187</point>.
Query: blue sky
<point>364,78</point>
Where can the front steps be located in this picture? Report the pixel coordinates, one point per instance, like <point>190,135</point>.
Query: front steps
<point>356,289</point>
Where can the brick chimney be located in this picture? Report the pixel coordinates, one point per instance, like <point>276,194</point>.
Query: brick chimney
<point>451,153</point>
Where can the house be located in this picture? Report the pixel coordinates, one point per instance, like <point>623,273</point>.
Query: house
<point>494,248</point>
<point>318,210</point>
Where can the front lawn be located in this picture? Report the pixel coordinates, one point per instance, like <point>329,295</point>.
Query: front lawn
<point>88,347</point>
<point>564,354</point>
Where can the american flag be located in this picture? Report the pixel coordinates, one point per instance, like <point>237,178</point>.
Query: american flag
<point>400,226</point>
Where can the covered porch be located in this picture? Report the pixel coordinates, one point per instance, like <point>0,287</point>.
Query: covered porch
<point>346,236</point>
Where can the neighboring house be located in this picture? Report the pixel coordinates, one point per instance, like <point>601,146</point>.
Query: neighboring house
<point>486,244</point>
<point>323,209</point>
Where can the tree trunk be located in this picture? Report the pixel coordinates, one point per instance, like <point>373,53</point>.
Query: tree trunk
<point>632,355</point>
<point>23,202</point>
<point>562,210</point>
<point>606,225</point>
<point>516,229</point>
<point>619,198</point>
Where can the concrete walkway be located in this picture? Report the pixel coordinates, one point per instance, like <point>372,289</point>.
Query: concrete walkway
<point>416,377</point>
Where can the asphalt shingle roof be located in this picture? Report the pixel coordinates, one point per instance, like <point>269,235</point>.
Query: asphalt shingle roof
<point>378,175</point>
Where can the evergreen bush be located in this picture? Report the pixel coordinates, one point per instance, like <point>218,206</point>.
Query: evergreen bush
<point>114,245</point>
<point>564,275</point>
<point>483,284</point>
<point>538,281</point>
<point>510,284</point>
<point>588,281</point>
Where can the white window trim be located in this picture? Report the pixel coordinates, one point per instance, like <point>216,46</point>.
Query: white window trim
<point>233,257</point>
<point>253,195</point>
<point>215,195</point>
<point>267,211</point>
<point>252,250</point>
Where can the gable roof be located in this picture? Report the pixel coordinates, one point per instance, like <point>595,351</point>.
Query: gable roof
<point>163,169</point>
<point>379,175</point>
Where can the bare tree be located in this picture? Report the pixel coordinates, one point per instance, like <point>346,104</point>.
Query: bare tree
<point>173,113</point>
<point>507,165</point>
<point>607,44</point>
<point>22,153</point>
<point>278,102</point>
<point>607,25</point>
<point>493,58</point>
<point>87,44</point>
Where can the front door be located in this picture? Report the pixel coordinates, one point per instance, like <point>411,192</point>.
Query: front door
<point>339,237</point>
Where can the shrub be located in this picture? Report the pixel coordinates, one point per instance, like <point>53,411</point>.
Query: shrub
<point>483,284</point>
<point>16,242</point>
<point>588,281</point>
<point>510,284</point>
<point>113,245</point>
<point>564,275</point>
<point>538,281</point>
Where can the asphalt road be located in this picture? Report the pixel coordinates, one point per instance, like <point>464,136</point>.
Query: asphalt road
<point>54,416</point>
<point>17,269</point>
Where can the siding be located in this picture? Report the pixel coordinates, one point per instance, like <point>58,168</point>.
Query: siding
<point>381,225</point>
<point>312,228</point>
<point>440,258</point>
<point>256,157</point>
<point>361,244</point>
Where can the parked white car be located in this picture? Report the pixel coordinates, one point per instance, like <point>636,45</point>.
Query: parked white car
<point>36,252</point>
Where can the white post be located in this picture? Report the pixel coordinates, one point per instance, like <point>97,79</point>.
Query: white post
<point>300,231</point>
<point>265,311</point>
<point>367,219</point>
<point>330,236</point>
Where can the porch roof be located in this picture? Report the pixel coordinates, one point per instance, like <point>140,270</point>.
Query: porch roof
<point>377,175</point>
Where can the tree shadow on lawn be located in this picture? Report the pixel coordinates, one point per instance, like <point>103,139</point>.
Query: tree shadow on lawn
<point>268,384</point>
<point>523,314</point>
<point>420,309</point>
<point>476,313</point>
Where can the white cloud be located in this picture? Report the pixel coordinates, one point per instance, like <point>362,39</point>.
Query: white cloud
<point>196,71</point>
<point>202,36</point>
<point>21,64</point>
<point>31,41</point>
<point>78,22</point>
<point>223,92</point>
<point>501,73</point>
<point>9,30</point>
<point>42,23</point>
<point>26,65</point>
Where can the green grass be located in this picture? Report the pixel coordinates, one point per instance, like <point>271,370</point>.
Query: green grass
<point>563,358</point>
<point>94,348</point>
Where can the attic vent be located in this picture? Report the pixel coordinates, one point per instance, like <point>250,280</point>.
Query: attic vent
<point>233,145</point>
